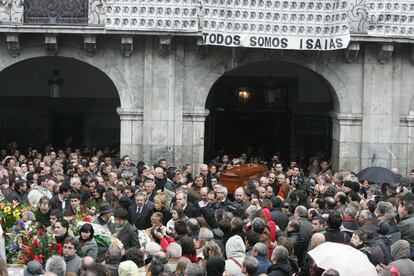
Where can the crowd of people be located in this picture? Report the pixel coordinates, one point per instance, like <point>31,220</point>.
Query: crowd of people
<point>166,220</point>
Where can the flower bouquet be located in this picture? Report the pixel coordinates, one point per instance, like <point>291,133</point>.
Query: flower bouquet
<point>10,214</point>
<point>85,213</point>
<point>25,244</point>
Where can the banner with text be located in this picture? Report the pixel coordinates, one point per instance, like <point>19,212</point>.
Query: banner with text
<point>285,24</point>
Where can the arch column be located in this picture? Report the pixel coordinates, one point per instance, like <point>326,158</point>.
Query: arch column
<point>346,141</point>
<point>193,136</point>
<point>131,140</point>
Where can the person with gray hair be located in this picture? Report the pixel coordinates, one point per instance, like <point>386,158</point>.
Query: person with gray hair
<point>280,262</point>
<point>193,270</point>
<point>349,224</point>
<point>366,221</point>
<point>306,230</point>
<point>204,235</point>
<point>113,259</point>
<point>260,252</point>
<point>174,252</point>
<point>56,265</point>
<point>251,212</point>
<point>250,266</point>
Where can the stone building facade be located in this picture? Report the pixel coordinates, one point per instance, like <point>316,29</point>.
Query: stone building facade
<point>160,80</point>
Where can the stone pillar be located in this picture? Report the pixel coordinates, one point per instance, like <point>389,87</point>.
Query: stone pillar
<point>131,133</point>
<point>346,141</point>
<point>380,109</point>
<point>193,137</point>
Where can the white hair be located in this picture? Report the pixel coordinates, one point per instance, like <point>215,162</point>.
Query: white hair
<point>174,250</point>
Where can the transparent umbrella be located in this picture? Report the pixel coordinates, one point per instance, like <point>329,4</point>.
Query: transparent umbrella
<point>347,260</point>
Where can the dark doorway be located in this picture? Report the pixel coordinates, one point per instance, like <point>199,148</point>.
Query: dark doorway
<point>82,114</point>
<point>250,112</point>
<point>67,131</point>
<point>266,109</point>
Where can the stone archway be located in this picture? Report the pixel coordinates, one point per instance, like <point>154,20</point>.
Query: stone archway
<point>83,114</point>
<point>345,94</point>
<point>270,107</point>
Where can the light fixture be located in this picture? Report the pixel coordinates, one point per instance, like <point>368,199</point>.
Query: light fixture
<point>55,82</point>
<point>244,94</point>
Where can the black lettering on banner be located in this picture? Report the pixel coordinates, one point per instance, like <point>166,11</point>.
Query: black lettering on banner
<point>326,44</point>
<point>212,38</point>
<point>253,41</point>
<point>275,42</point>
<point>332,44</point>
<point>318,44</point>
<point>237,40</point>
<point>205,35</point>
<point>268,41</point>
<point>309,43</point>
<point>300,43</point>
<point>228,40</point>
<point>220,39</point>
<point>339,43</point>
<point>284,42</point>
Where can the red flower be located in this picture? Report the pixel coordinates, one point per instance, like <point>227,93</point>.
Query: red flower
<point>36,244</point>
<point>87,219</point>
<point>5,234</point>
<point>25,242</point>
<point>39,258</point>
<point>40,232</point>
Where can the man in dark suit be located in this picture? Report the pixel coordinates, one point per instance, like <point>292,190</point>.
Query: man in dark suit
<point>140,213</point>
<point>61,201</point>
<point>190,210</point>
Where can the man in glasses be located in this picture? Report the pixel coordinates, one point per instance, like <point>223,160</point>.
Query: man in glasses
<point>73,261</point>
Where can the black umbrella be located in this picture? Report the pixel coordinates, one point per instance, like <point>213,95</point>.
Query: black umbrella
<point>378,175</point>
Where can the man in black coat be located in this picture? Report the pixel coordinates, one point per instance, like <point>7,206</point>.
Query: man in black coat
<point>280,262</point>
<point>61,201</point>
<point>140,213</point>
<point>190,210</point>
<point>124,231</point>
<point>277,215</point>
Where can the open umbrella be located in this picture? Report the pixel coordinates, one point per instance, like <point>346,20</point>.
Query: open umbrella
<point>347,260</point>
<point>378,175</point>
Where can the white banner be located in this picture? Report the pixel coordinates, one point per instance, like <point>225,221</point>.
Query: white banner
<point>286,24</point>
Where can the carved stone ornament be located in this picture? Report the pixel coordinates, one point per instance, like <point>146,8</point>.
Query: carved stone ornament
<point>385,52</point>
<point>89,44</point>
<point>13,44</point>
<point>127,45</point>
<point>51,44</point>
<point>351,53</point>
<point>165,46</point>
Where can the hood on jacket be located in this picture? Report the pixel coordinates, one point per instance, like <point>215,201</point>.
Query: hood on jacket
<point>400,250</point>
<point>235,247</point>
<point>267,213</point>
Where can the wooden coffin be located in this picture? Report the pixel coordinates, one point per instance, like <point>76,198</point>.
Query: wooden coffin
<point>241,175</point>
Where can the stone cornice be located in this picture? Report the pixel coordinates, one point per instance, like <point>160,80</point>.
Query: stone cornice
<point>130,114</point>
<point>195,116</point>
<point>347,119</point>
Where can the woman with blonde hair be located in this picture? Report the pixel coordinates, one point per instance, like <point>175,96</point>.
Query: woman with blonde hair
<point>159,206</point>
